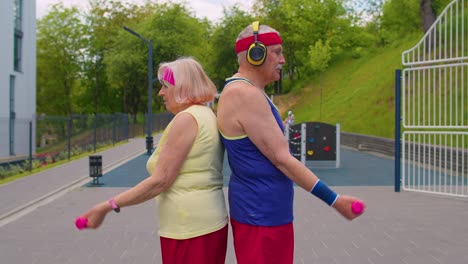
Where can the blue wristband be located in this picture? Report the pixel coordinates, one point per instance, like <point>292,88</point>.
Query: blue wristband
<point>322,191</point>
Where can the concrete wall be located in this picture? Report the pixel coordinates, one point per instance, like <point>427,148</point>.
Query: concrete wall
<point>24,80</point>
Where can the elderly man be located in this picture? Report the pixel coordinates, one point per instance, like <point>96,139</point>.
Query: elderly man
<point>263,170</point>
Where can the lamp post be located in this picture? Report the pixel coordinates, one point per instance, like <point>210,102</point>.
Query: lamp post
<point>97,59</point>
<point>149,136</point>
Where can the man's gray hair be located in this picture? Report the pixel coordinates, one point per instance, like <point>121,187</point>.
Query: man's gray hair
<point>248,31</point>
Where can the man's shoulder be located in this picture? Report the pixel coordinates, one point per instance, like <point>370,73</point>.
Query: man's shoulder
<point>239,89</point>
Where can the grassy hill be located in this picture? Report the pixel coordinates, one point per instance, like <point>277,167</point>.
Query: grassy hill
<point>357,93</point>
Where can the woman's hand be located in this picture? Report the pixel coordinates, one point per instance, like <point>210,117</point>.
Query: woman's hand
<point>97,214</point>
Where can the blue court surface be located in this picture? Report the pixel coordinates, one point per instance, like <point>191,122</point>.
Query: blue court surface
<point>356,169</point>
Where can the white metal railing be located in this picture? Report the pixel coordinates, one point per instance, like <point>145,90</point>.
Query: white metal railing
<point>435,96</point>
<point>444,41</point>
<point>435,162</point>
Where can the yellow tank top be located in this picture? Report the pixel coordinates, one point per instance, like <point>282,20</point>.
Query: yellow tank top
<point>194,205</point>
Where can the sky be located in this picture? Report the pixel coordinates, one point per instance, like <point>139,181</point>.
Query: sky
<point>212,9</point>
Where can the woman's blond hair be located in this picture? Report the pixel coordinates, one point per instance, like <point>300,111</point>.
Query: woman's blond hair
<point>192,85</point>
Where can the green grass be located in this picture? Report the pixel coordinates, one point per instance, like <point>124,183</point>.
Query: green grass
<point>357,93</point>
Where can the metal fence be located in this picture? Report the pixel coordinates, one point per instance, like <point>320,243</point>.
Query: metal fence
<point>65,135</point>
<point>58,137</point>
<point>434,107</point>
<point>14,137</point>
<point>436,162</point>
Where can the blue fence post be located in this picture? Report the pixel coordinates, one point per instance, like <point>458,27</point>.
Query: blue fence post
<point>397,130</point>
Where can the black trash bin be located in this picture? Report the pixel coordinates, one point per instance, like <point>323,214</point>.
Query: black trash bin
<point>95,168</point>
<point>149,145</point>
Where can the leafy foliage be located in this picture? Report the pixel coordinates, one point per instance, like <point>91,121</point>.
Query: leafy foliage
<point>400,17</point>
<point>88,63</point>
<point>319,56</point>
<point>222,60</point>
<point>61,40</point>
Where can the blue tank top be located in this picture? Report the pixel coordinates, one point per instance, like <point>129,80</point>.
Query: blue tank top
<point>259,193</point>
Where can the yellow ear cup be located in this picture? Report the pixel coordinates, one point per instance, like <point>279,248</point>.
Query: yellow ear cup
<point>256,54</point>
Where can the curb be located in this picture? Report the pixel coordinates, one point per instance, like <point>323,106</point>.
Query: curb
<point>25,209</point>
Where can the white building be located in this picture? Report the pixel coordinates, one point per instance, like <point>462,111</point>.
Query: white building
<point>17,76</point>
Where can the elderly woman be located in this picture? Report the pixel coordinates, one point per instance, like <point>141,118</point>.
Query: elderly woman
<point>185,172</point>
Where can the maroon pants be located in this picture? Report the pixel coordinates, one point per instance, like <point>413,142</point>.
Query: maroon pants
<point>263,244</point>
<point>207,249</point>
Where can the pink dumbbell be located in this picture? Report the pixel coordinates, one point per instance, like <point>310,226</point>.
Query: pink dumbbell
<point>357,207</point>
<point>81,223</point>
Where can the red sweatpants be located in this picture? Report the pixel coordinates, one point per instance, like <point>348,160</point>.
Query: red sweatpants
<point>263,244</point>
<point>207,249</point>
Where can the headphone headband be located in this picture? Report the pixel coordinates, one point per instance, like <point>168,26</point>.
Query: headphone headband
<point>255,27</point>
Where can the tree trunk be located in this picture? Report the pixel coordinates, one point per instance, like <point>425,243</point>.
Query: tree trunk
<point>428,15</point>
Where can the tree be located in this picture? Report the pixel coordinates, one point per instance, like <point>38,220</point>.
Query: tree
<point>403,17</point>
<point>223,60</point>
<point>174,32</point>
<point>105,20</point>
<point>428,15</point>
<point>304,22</point>
<point>429,10</point>
<point>319,57</point>
<point>400,18</point>
<point>61,38</point>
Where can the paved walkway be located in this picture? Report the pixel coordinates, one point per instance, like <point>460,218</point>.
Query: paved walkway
<point>37,214</point>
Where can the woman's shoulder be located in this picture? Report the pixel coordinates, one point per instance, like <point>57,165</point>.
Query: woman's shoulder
<point>199,112</point>
<point>198,109</point>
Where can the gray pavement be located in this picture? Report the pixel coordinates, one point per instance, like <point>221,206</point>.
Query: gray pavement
<point>37,214</point>
<point>28,192</point>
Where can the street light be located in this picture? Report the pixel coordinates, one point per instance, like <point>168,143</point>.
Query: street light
<point>149,137</point>
<point>97,59</point>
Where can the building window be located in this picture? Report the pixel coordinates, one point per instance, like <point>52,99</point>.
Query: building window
<point>18,37</point>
